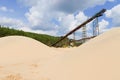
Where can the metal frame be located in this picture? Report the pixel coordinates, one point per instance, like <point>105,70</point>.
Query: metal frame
<point>84,23</point>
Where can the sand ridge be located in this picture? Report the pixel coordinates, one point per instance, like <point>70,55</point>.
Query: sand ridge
<point>14,49</point>
<point>27,59</point>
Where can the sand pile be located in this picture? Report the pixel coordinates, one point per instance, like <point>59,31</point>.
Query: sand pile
<point>14,49</point>
<point>23,58</point>
<point>98,59</point>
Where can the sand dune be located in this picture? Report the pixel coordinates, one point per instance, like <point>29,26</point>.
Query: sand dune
<point>23,58</point>
<point>20,57</point>
<point>14,49</point>
<point>98,59</point>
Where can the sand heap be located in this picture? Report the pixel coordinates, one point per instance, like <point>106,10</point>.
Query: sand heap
<point>14,49</point>
<point>97,59</point>
<point>21,58</point>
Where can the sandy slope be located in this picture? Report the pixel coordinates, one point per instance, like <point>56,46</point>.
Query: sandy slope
<point>98,59</point>
<point>23,58</point>
<point>18,48</point>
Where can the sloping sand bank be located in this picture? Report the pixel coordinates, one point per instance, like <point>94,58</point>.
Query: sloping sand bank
<point>19,49</point>
<point>23,58</point>
<point>98,59</point>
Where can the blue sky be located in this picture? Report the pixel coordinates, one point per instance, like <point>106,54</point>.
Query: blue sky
<point>57,17</point>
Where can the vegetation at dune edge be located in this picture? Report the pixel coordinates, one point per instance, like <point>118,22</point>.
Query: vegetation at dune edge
<point>46,39</point>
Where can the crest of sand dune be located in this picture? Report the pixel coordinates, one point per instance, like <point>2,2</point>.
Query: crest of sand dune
<point>97,59</point>
<point>14,49</point>
<point>22,57</point>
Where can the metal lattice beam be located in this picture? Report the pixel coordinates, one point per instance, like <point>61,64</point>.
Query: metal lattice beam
<point>84,23</point>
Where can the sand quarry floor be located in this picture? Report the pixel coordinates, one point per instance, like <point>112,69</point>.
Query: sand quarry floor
<point>23,58</point>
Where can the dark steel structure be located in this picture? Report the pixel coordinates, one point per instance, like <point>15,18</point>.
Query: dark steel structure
<point>84,23</point>
<point>84,35</point>
<point>95,27</point>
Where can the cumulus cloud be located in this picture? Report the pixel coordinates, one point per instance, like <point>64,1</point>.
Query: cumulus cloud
<point>26,28</point>
<point>10,22</point>
<point>114,14</point>
<point>65,5</point>
<point>103,25</point>
<point>75,5</point>
<point>71,21</point>
<point>5,9</point>
<point>57,15</point>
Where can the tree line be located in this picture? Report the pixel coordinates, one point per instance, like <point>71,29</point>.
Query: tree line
<point>46,39</point>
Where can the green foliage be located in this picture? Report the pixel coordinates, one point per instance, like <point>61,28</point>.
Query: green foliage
<point>46,39</point>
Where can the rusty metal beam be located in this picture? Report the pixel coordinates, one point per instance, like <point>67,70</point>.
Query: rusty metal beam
<point>84,23</point>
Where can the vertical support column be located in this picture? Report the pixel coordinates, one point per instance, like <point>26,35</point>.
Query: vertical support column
<point>74,42</point>
<point>84,33</point>
<point>95,27</point>
<point>74,35</point>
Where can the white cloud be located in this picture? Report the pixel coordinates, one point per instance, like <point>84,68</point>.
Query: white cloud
<point>103,25</point>
<point>10,22</point>
<point>5,9</point>
<point>75,5</point>
<point>19,25</point>
<point>57,15</point>
<point>60,21</point>
<point>114,14</point>
<point>65,5</point>
<point>26,28</point>
<point>71,21</point>
<point>111,0</point>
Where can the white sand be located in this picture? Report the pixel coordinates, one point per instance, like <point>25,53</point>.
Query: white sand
<point>20,49</point>
<point>23,58</point>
